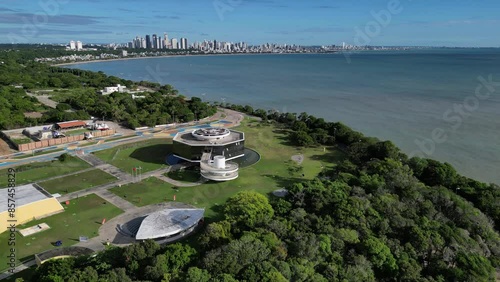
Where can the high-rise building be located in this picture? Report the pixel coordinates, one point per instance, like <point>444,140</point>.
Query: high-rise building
<point>165,41</point>
<point>148,41</point>
<point>184,44</point>
<point>144,43</point>
<point>174,43</point>
<point>79,46</point>
<point>72,45</point>
<point>137,42</point>
<point>155,42</point>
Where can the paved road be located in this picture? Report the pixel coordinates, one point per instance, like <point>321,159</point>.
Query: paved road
<point>115,200</point>
<point>44,99</point>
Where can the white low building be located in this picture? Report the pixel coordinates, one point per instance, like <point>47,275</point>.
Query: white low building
<point>118,88</point>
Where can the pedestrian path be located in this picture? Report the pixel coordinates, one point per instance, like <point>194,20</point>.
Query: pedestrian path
<point>115,200</point>
<point>91,159</point>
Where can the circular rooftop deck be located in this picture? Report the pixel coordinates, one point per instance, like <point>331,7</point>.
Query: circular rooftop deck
<point>210,133</point>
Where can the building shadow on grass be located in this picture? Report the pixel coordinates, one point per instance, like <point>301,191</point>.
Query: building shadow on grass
<point>155,154</point>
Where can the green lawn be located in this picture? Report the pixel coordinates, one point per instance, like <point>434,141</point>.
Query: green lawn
<point>76,132</point>
<point>34,172</point>
<point>82,216</point>
<point>269,174</point>
<point>77,182</point>
<point>149,191</point>
<point>20,141</point>
<point>184,175</point>
<point>149,155</point>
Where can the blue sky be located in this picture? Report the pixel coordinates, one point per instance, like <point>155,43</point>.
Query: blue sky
<point>314,22</point>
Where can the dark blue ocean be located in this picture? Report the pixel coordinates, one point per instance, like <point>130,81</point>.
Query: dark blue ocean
<point>440,103</point>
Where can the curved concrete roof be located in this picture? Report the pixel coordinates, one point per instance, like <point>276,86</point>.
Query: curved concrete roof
<point>168,222</point>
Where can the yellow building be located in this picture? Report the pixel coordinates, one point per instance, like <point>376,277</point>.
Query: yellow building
<point>30,201</point>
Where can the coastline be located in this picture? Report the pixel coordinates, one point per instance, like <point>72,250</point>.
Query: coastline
<point>186,55</point>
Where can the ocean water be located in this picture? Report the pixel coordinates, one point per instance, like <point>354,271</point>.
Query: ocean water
<point>425,101</point>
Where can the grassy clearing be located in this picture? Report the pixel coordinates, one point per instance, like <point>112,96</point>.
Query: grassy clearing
<point>149,191</point>
<point>270,173</point>
<point>82,216</point>
<point>149,155</point>
<point>77,182</point>
<point>20,141</point>
<point>76,132</point>
<point>34,172</point>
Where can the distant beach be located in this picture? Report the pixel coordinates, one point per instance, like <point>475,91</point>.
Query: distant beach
<point>172,56</point>
<point>119,59</point>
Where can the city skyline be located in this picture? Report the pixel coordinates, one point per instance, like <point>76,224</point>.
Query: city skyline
<point>389,22</point>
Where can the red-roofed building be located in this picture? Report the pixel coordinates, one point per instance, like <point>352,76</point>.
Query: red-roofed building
<point>70,125</point>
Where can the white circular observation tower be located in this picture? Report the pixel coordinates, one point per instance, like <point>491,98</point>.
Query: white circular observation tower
<point>218,169</point>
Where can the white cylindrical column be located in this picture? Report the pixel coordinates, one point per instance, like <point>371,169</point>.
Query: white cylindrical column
<point>220,162</point>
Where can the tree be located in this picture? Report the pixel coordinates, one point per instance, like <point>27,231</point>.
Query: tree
<point>383,150</point>
<point>436,173</point>
<point>473,267</point>
<point>248,209</point>
<point>380,255</point>
<point>63,157</point>
<point>301,138</point>
<point>235,256</point>
<point>194,274</point>
<point>358,271</point>
<point>274,276</point>
<point>179,255</point>
<point>117,275</point>
<point>63,107</point>
<point>299,126</point>
<point>55,270</point>
<point>216,234</point>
